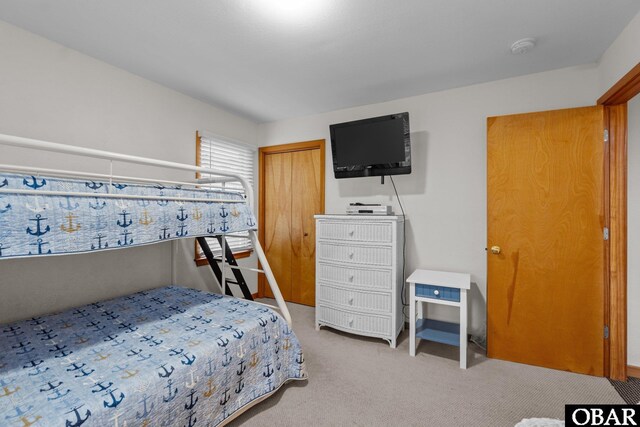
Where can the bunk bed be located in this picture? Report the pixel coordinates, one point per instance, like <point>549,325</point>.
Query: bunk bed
<point>163,357</point>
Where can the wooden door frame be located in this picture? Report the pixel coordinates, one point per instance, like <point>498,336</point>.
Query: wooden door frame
<point>615,104</point>
<point>279,149</point>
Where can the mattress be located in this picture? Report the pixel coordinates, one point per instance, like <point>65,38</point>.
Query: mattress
<point>44,224</point>
<point>166,357</point>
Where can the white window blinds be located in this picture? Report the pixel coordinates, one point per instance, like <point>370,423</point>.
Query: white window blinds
<point>228,156</point>
<point>219,153</point>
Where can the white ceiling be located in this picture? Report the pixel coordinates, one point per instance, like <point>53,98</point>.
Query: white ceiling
<point>250,57</point>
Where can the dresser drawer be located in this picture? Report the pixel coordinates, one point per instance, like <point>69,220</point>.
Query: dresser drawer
<point>355,231</point>
<point>354,277</point>
<point>354,299</point>
<point>438,292</point>
<point>371,255</point>
<point>357,322</point>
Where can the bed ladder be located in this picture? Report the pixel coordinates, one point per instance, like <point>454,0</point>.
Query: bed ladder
<point>231,260</point>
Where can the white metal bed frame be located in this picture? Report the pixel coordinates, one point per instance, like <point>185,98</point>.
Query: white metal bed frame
<point>217,176</point>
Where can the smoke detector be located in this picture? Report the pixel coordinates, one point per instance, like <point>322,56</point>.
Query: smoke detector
<point>523,46</point>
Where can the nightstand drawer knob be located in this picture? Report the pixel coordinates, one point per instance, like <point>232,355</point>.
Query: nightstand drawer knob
<point>436,292</point>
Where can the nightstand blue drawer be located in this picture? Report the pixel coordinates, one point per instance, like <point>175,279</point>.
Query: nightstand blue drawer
<point>438,292</point>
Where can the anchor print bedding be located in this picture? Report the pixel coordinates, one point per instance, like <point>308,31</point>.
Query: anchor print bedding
<point>166,357</point>
<point>35,225</point>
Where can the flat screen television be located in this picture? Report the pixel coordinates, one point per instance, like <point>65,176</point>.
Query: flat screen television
<point>377,146</point>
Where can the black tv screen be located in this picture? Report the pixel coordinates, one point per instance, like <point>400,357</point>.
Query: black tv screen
<point>372,147</point>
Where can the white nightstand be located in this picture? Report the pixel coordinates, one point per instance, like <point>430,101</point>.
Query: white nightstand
<point>439,287</point>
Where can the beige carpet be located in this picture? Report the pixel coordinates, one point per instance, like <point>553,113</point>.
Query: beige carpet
<point>356,381</point>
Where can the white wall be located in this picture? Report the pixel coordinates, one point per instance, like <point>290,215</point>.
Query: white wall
<point>621,56</point>
<point>50,92</point>
<point>445,196</point>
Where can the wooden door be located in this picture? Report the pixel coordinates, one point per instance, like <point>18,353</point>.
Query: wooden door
<point>292,192</point>
<point>277,220</point>
<point>306,189</point>
<point>546,286</point>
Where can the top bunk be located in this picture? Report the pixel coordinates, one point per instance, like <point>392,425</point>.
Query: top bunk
<point>48,212</point>
<point>55,212</point>
<point>45,214</point>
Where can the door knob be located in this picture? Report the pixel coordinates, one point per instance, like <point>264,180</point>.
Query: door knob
<point>495,250</point>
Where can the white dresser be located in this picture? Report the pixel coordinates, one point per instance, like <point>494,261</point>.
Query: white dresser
<point>359,274</point>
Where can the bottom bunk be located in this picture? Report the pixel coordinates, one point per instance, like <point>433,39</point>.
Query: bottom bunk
<point>164,357</point>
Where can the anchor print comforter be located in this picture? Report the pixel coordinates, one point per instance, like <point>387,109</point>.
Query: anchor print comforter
<point>166,357</point>
<point>38,224</point>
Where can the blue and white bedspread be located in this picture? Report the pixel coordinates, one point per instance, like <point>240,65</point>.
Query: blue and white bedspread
<point>32,225</point>
<point>166,357</point>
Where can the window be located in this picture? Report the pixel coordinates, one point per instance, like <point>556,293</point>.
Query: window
<point>231,156</point>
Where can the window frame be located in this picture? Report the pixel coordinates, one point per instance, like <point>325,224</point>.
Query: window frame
<point>198,257</point>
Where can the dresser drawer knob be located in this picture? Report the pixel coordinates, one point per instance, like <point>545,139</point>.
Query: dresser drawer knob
<point>350,300</point>
<point>351,320</point>
<point>351,255</point>
<point>351,278</point>
<point>351,232</point>
<point>436,292</point>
